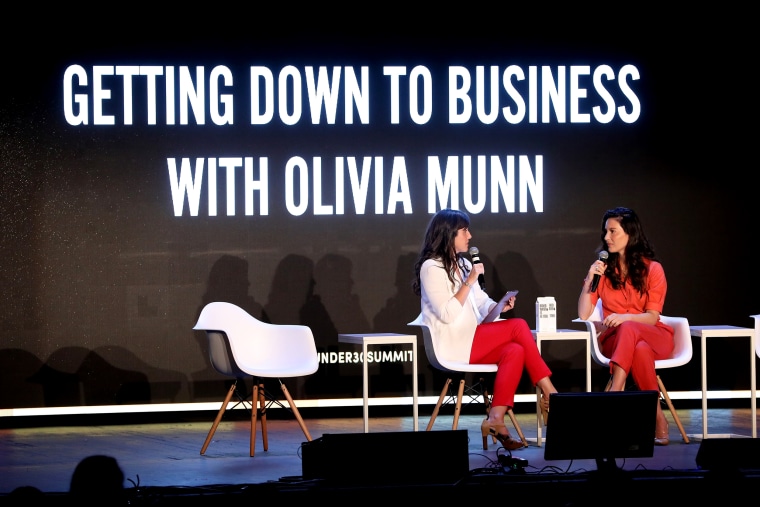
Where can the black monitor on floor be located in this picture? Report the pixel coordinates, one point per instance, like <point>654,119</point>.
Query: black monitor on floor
<point>602,426</point>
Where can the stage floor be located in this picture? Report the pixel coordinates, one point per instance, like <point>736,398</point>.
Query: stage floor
<point>164,458</point>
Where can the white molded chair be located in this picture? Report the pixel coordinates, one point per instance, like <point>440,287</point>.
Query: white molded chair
<point>241,345</point>
<point>454,367</point>
<point>682,352</point>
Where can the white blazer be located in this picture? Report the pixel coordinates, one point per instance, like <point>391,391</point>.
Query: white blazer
<point>451,322</point>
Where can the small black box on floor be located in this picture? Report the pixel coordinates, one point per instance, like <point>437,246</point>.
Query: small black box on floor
<point>729,454</point>
<point>405,457</point>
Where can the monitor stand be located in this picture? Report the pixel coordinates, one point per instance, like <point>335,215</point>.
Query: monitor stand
<point>607,465</point>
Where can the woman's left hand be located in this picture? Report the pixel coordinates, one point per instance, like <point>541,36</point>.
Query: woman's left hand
<point>511,303</point>
<point>615,319</point>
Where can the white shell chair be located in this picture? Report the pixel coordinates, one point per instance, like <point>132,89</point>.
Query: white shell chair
<point>682,352</point>
<point>241,345</point>
<point>432,350</point>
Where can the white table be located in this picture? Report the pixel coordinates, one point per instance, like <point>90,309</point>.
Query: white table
<point>368,339</point>
<point>723,331</point>
<point>560,334</point>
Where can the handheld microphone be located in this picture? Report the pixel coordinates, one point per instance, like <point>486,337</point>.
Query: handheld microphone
<point>595,281</point>
<point>475,254</point>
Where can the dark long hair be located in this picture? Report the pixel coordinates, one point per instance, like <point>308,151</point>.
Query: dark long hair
<point>637,252</point>
<point>439,243</point>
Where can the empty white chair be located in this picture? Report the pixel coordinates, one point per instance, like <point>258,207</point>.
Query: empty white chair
<point>241,345</point>
<point>682,352</point>
<point>436,360</point>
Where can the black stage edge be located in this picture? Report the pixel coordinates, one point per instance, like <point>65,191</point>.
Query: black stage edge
<point>590,489</point>
<point>374,468</point>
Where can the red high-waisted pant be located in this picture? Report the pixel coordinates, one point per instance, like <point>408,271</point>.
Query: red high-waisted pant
<point>634,346</point>
<point>510,344</point>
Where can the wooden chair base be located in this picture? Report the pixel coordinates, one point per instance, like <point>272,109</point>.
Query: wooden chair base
<point>258,412</point>
<point>447,397</point>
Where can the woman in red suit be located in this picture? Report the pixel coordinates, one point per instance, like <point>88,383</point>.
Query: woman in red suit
<point>632,288</point>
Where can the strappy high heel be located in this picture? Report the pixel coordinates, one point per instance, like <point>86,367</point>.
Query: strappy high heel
<point>487,429</point>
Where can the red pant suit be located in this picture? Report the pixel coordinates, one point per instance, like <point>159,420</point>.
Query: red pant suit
<point>634,346</point>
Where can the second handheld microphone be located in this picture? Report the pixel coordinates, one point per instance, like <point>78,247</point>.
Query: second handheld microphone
<point>603,255</point>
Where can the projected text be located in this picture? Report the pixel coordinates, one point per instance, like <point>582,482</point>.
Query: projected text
<point>510,183</point>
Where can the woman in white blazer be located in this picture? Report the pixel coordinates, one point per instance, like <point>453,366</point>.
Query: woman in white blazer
<point>453,305</point>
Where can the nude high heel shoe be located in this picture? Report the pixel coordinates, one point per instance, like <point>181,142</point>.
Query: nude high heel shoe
<point>661,437</point>
<point>487,429</point>
<point>544,408</point>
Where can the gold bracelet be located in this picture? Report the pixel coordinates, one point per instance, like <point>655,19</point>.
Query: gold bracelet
<point>467,284</point>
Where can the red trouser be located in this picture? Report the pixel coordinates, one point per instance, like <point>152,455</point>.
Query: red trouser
<point>510,344</point>
<point>634,347</point>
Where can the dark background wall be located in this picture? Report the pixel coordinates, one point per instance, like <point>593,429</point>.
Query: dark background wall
<point>102,282</point>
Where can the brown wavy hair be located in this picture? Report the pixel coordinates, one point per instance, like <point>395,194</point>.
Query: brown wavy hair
<point>637,253</point>
<point>439,243</point>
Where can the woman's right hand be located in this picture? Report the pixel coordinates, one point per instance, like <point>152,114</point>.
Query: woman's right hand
<point>597,268</point>
<point>475,272</point>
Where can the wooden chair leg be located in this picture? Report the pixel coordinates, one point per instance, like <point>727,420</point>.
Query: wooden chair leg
<point>295,411</point>
<point>458,408</point>
<point>263,406</point>
<point>442,397</point>
<point>672,410</point>
<point>512,417</point>
<point>218,417</point>
<point>254,413</point>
